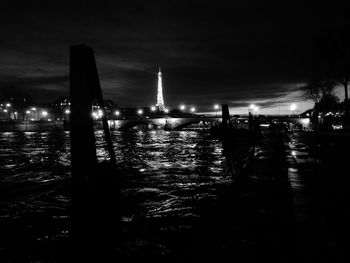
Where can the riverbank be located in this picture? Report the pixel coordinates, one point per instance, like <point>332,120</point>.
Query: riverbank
<point>319,168</point>
<point>32,126</point>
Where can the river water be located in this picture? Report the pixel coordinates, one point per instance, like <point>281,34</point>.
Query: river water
<point>167,176</point>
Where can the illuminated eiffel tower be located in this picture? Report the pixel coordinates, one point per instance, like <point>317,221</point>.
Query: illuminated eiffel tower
<point>160,101</point>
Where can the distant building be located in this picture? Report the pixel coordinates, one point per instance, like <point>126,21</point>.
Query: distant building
<point>160,101</point>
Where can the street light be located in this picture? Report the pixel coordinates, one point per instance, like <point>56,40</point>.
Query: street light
<point>216,107</point>
<point>140,112</point>
<point>253,107</point>
<point>33,109</point>
<point>8,105</point>
<point>67,112</point>
<point>293,107</point>
<point>256,109</point>
<point>182,107</point>
<point>166,110</point>
<point>44,113</point>
<point>193,109</point>
<point>117,113</point>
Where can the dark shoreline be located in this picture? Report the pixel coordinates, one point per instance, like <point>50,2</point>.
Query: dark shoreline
<point>32,126</point>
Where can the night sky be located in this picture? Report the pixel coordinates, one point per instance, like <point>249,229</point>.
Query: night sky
<point>209,51</point>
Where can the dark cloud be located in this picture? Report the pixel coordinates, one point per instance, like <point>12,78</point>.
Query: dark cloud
<point>210,51</point>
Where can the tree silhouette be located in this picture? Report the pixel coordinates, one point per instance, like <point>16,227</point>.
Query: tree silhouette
<point>321,93</point>
<point>333,52</point>
<point>318,90</point>
<point>328,103</point>
<point>340,59</point>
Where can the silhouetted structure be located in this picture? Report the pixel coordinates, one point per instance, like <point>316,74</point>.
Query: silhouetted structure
<point>225,116</point>
<point>95,185</point>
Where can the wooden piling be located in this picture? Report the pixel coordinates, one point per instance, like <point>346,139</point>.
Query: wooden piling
<point>225,116</point>
<point>95,186</point>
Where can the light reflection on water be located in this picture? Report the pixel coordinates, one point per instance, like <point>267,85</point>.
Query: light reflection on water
<point>167,174</point>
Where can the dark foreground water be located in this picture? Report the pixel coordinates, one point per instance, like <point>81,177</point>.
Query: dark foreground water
<point>168,176</point>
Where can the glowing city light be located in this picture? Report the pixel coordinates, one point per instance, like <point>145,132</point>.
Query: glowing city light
<point>34,109</point>
<point>44,113</point>
<point>193,109</point>
<point>306,122</point>
<point>140,112</point>
<point>28,111</point>
<point>216,106</point>
<point>182,107</point>
<point>166,110</point>
<point>67,111</point>
<point>8,104</point>
<point>293,107</point>
<point>153,108</point>
<point>5,110</point>
<point>253,107</point>
<point>117,113</point>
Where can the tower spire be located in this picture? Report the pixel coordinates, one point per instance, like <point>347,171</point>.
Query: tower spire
<point>160,101</point>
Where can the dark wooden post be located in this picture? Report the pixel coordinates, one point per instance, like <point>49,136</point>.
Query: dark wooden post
<point>250,121</point>
<point>225,116</point>
<point>95,186</point>
<point>83,151</point>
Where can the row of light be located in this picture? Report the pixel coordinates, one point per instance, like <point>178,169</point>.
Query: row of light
<point>43,113</point>
<point>28,111</point>
<point>182,107</point>
<point>8,105</point>
<point>253,107</point>
<point>153,108</point>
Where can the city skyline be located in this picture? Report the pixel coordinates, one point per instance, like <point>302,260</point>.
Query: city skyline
<point>237,55</point>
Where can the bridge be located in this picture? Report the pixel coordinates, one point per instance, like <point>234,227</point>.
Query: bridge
<point>161,123</point>
<point>178,123</point>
